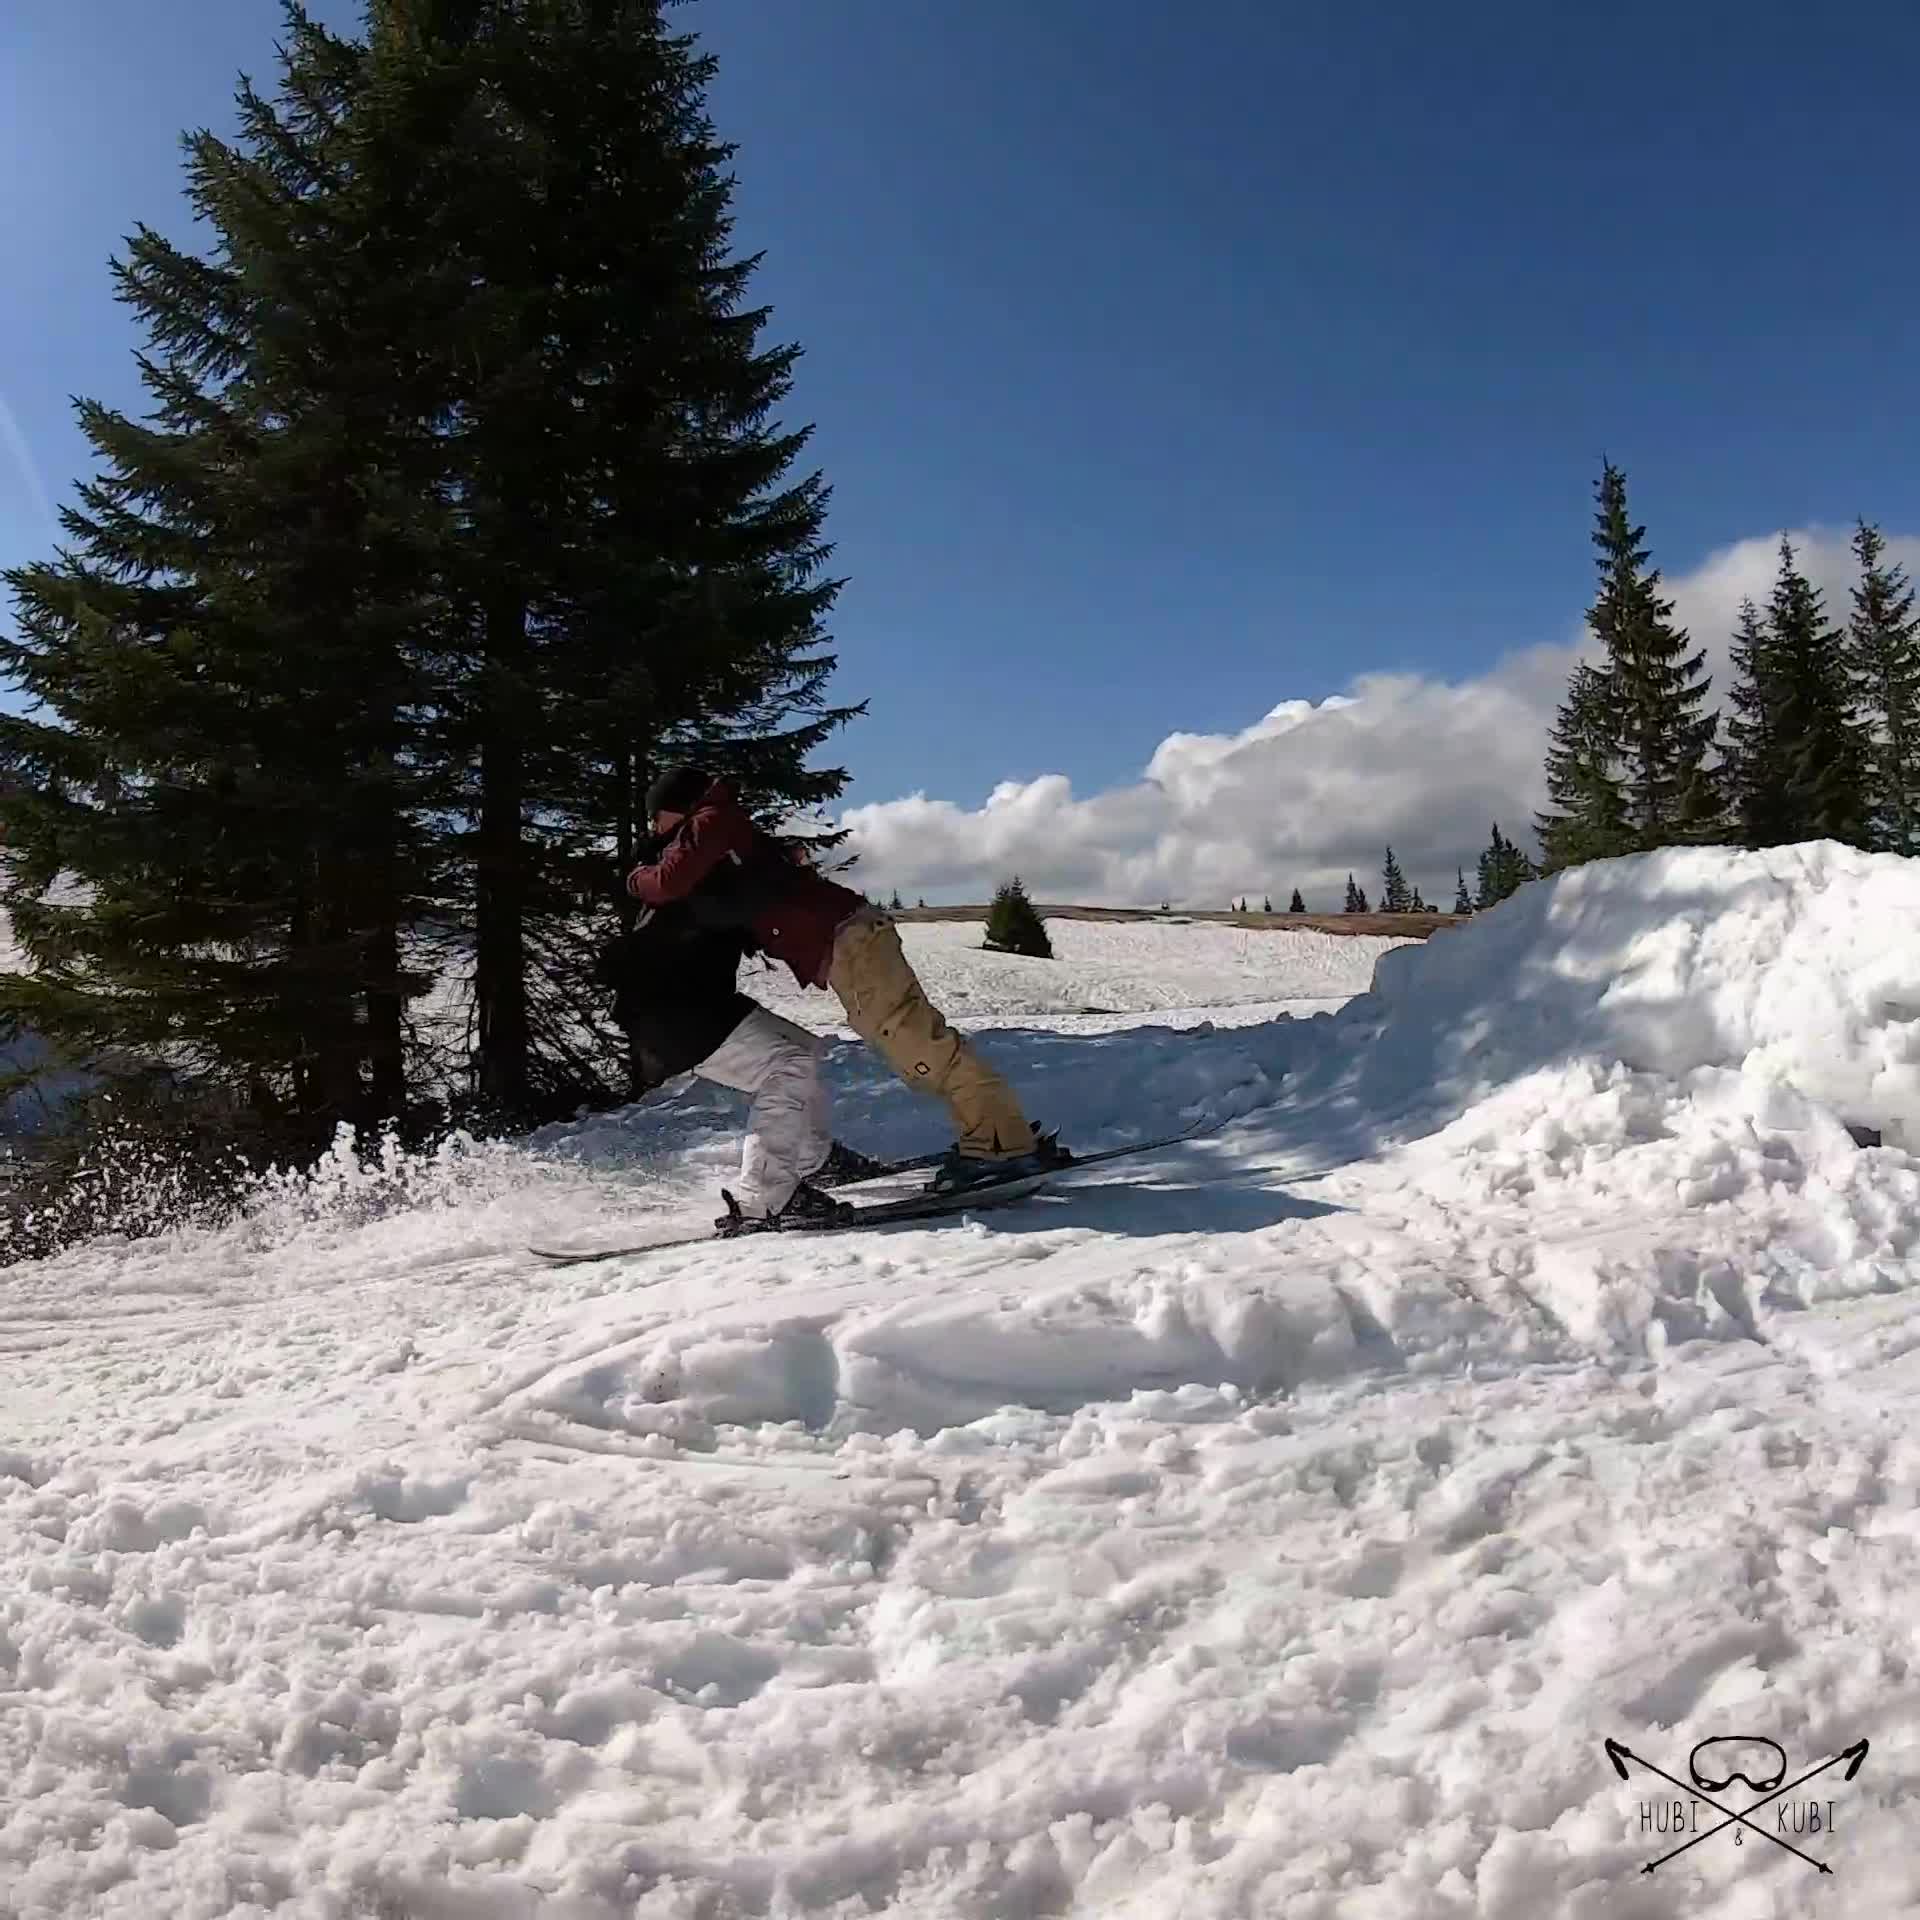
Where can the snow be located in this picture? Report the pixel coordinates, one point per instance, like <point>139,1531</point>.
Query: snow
<point>1102,968</point>
<point>1274,1526</point>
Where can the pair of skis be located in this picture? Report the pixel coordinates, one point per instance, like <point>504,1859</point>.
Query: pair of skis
<point>882,1213</point>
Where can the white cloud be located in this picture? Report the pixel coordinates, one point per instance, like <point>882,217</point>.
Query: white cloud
<point>1309,793</point>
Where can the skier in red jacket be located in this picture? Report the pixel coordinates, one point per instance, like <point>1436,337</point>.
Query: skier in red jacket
<point>709,853</point>
<point>676,993</point>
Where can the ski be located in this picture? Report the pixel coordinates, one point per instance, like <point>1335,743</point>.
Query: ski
<point>879,1213</point>
<point>923,1206</point>
<point>918,1206</point>
<point>1079,1160</point>
<point>925,1162</point>
<point>886,1170</point>
<point>582,1256</point>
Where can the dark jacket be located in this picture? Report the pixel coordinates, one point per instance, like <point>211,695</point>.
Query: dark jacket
<point>673,989</point>
<point>735,876</point>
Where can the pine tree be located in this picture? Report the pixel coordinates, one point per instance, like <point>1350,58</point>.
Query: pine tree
<point>1356,899</point>
<point>1588,816</point>
<point>633,572</point>
<point>223,752</point>
<point>465,483</point>
<point>1503,870</point>
<point>1417,905</point>
<point>1884,662</point>
<point>1756,787</point>
<point>1518,869</point>
<point>644,557</point>
<point>1801,759</point>
<point>1462,900</point>
<point>1014,924</point>
<point>895,904</point>
<point>1296,904</point>
<point>1394,897</point>
<point>1648,697</point>
<point>1266,903</point>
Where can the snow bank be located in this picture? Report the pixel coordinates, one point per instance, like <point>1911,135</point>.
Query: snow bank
<point>1796,965</point>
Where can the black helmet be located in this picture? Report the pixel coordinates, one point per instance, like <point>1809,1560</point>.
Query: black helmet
<point>677,789</point>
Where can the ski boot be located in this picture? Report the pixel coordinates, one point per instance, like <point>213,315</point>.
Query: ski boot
<point>961,1173</point>
<point>807,1206</point>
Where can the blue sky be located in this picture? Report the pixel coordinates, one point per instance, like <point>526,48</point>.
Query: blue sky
<point>1170,365</point>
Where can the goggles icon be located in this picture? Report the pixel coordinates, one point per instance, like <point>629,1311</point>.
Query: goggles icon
<point>1750,1758</point>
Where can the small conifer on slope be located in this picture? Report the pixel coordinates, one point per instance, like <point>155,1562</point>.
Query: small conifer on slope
<point>1014,924</point>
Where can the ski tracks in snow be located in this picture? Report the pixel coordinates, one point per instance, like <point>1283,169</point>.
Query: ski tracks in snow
<point>1013,1568</point>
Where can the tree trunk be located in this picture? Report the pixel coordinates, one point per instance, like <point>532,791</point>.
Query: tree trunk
<point>339,1084</point>
<point>386,1007</point>
<point>635,773</point>
<point>500,969</point>
<point>325,1067</point>
<point>380,923</point>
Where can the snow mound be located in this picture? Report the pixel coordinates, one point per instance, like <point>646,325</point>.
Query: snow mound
<point>1796,965</point>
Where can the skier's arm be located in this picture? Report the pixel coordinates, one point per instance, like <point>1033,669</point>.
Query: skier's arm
<point>711,835</point>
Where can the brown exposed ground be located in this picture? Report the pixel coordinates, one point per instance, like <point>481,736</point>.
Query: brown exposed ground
<point>1411,925</point>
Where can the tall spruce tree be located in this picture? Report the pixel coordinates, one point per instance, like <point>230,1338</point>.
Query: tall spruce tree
<point>218,819</point>
<point>1757,791</point>
<point>636,573</point>
<point>1356,899</point>
<point>464,499</point>
<point>1587,816</point>
<point>1394,897</point>
<point>1462,900</point>
<point>1884,661</point>
<point>1647,696</point>
<point>1296,904</point>
<point>1808,779</point>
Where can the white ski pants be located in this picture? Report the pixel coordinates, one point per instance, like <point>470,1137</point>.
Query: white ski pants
<point>789,1127</point>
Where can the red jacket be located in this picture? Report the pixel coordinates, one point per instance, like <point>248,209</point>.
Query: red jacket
<point>793,911</point>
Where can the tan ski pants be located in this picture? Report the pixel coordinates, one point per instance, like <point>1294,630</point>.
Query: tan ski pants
<point>888,1008</point>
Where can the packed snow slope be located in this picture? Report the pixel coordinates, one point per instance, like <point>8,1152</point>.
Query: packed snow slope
<point>1277,1526</point>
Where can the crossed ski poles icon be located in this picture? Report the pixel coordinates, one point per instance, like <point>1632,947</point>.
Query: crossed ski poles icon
<point>1853,1755</point>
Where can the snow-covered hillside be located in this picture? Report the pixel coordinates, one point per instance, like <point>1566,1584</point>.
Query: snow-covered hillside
<point>1276,1526</point>
<point>1102,968</point>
